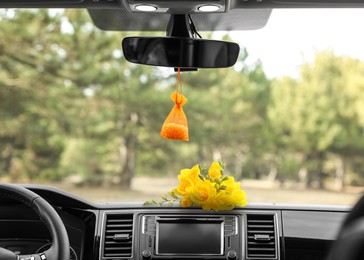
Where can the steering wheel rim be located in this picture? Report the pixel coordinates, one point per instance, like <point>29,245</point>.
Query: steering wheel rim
<point>350,241</point>
<point>60,243</point>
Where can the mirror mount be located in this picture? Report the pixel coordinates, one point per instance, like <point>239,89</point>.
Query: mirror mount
<point>179,26</point>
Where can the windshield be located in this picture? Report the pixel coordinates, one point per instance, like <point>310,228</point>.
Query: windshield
<point>287,120</point>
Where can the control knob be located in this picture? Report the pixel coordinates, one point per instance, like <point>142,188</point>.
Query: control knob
<point>231,255</point>
<point>146,254</point>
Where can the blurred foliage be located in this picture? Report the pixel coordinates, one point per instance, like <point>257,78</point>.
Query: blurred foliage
<point>321,113</point>
<point>72,108</point>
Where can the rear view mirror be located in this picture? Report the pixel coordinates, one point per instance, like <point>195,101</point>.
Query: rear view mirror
<point>180,52</point>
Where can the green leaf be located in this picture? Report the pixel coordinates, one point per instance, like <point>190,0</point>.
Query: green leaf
<point>225,178</point>
<point>173,195</point>
<point>158,204</point>
<point>222,165</point>
<point>223,187</point>
<point>217,187</point>
<point>148,203</point>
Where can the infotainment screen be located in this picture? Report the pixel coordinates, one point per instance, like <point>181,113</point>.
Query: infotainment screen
<point>190,237</point>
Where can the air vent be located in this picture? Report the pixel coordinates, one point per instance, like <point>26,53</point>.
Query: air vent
<point>149,225</point>
<point>118,236</point>
<point>230,225</point>
<point>261,236</point>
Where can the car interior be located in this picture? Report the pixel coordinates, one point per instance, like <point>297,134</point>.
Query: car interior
<point>39,222</point>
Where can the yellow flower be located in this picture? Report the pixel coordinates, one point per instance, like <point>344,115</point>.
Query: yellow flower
<point>215,170</point>
<point>223,201</point>
<point>190,174</point>
<point>231,184</point>
<point>182,188</point>
<point>203,194</point>
<point>212,192</point>
<point>238,197</point>
<point>186,202</point>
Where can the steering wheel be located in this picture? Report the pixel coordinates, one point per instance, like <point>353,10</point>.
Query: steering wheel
<point>60,244</point>
<point>350,242</point>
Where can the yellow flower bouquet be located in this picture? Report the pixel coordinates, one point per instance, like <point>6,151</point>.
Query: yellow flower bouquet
<point>209,189</point>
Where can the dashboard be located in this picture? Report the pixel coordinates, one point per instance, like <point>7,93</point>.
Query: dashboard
<point>131,231</point>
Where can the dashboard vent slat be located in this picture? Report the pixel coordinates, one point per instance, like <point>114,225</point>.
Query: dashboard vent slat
<point>261,236</point>
<point>230,223</point>
<point>118,236</point>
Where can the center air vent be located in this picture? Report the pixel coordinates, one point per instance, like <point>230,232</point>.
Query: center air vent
<point>261,236</point>
<point>230,227</point>
<point>118,236</point>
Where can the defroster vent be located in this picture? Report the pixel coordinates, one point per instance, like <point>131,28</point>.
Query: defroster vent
<point>261,236</point>
<point>118,236</point>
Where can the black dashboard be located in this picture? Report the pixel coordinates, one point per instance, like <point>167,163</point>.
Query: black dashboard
<point>131,231</point>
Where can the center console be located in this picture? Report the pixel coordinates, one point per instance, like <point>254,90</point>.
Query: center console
<point>187,236</point>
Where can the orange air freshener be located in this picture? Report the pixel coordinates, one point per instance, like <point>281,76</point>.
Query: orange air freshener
<point>175,126</point>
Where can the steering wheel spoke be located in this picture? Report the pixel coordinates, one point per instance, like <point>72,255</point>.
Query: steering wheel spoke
<point>7,254</point>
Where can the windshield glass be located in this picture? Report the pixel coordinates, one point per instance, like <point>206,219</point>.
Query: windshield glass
<point>287,120</point>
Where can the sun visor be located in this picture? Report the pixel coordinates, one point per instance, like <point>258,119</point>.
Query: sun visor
<point>124,20</point>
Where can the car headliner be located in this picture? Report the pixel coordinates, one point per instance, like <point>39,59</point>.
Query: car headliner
<point>117,15</point>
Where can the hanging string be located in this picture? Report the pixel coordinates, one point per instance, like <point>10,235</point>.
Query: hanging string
<point>179,92</point>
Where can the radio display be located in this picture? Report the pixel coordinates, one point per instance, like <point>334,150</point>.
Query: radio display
<point>190,237</point>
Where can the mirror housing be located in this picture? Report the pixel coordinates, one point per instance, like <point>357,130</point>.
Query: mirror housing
<point>187,53</point>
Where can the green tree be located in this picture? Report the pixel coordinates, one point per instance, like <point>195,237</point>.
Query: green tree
<point>319,113</point>
<point>25,77</point>
<point>72,105</point>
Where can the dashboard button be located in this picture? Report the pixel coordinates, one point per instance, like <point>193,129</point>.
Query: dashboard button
<point>231,255</point>
<point>146,254</point>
